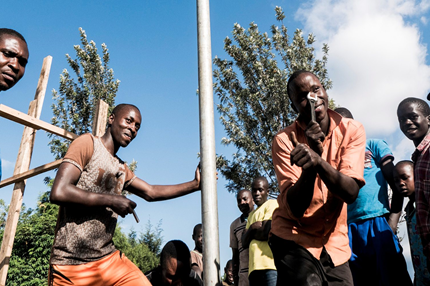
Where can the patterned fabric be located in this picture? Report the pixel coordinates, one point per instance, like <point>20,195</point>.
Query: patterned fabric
<point>85,234</point>
<point>421,158</point>
<point>372,200</point>
<point>324,223</point>
<point>419,261</point>
<point>260,254</point>
<point>237,228</point>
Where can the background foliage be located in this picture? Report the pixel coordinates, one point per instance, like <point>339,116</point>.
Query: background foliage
<point>253,99</point>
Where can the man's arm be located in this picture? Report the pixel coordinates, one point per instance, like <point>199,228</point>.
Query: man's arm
<point>300,195</point>
<point>65,192</point>
<point>164,192</point>
<point>387,168</point>
<point>259,230</point>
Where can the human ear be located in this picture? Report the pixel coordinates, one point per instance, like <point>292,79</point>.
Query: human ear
<point>111,119</point>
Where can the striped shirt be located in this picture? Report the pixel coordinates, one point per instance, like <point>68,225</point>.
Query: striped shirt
<point>237,228</point>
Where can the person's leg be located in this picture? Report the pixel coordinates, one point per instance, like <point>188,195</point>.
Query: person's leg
<point>363,258</point>
<point>256,278</point>
<point>295,265</point>
<point>271,277</point>
<point>391,263</point>
<point>336,276</point>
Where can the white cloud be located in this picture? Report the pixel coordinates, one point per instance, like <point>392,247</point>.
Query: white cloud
<point>376,58</point>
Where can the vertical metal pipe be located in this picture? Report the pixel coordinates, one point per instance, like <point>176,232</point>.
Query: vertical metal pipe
<point>207,148</point>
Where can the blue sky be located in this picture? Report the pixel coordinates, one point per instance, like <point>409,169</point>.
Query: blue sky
<point>378,55</point>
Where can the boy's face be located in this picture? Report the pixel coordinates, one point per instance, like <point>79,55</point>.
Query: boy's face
<point>301,86</point>
<point>259,192</point>
<point>412,122</point>
<point>198,238</point>
<point>13,59</point>
<point>125,125</point>
<point>404,179</point>
<point>229,273</point>
<point>245,202</point>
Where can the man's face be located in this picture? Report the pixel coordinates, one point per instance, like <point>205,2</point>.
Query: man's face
<point>412,122</point>
<point>13,59</point>
<point>301,86</point>
<point>404,179</point>
<point>245,202</point>
<point>259,192</point>
<point>125,125</point>
<point>174,272</point>
<point>198,238</point>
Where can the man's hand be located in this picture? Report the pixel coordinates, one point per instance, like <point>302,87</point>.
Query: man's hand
<point>122,206</point>
<point>302,155</point>
<point>315,137</point>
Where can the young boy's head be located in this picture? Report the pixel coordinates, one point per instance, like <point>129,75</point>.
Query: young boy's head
<point>260,190</point>
<point>228,272</point>
<point>404,177</point>
<point>174,263</point>
<point>344,112</point>
<point>413,115</point>
<point>198,237</point>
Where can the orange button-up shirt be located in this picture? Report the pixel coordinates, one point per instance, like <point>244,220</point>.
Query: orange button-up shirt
<point>324,223</point>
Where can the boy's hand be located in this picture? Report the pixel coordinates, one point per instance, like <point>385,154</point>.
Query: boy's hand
<point>122,206</point>
<point>302,155</point>
<point>197,177</point>
<point>315,137</point>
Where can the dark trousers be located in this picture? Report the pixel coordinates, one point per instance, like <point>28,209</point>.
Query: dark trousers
<point>297,266</point>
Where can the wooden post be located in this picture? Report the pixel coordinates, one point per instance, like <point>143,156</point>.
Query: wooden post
<point>22,165</point>
<point>100,118</point>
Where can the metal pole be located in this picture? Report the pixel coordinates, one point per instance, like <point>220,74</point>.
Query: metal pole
<point>207,149</point>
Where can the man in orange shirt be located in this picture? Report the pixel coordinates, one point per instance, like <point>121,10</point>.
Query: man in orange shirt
<point>319,166</point>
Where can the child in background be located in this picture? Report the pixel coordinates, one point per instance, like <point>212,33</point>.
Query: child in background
<point>197,253</point>
<point>414,121</point>
<point>404,180</point>
<point>228,274</point>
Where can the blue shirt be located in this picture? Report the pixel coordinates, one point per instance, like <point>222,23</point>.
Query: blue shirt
<point>372,200</point>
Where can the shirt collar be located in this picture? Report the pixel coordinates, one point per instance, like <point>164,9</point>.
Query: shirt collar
<point>420,148</point>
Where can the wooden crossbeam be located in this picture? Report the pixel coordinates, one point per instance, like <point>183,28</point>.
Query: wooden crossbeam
<point>33,122</point>
<point>31,173</point>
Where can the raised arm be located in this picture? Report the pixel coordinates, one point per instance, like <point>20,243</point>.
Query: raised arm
<point>164,192</point>
<point>65,192</point>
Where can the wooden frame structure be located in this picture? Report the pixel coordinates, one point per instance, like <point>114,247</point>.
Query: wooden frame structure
<point>21,173</point>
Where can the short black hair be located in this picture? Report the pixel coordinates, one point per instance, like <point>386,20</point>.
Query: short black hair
<point>11,32</point>
<point>196,228</point>
<point>405,163</point>
<point>344,112</point>
<point>230,262</point>
<point>243,191</point>
<point>121,106</point>
<point>175,249</point>
<point>421,104</point>
<point>263,179</point>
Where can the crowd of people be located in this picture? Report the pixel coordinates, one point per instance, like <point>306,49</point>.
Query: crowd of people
<point>333,222</point>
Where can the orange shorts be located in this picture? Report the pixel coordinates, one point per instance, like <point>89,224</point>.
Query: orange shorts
<point>115,269</point>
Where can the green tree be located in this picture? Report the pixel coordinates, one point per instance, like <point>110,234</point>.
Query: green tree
<point>74,106</point>
<point>29,263</point>
<point>253,100</point>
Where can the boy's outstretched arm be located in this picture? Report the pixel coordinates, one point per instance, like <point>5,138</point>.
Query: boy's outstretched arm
<point>164,192</point>
<point>65,192</point>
